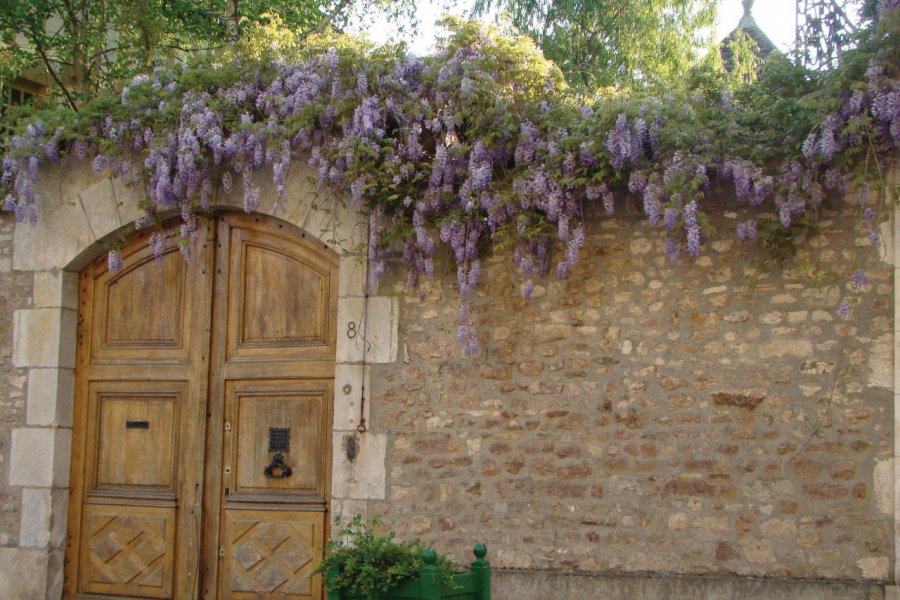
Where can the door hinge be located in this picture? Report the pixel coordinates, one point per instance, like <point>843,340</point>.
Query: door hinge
<point>227,425</point>
<point>221,551</point>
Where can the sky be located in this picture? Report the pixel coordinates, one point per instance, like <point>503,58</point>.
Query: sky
<point>775,17</point>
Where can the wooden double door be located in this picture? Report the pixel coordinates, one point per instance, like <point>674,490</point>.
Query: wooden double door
<point>203,409</point>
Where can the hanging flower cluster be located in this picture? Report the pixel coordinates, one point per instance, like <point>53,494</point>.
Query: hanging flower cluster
<point>479,142</point>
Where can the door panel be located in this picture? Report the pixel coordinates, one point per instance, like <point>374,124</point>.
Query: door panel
<point>288,411</point>
<point>139,312</point>
<point>128,550</point>
<point>135,435</point>
<point>183,369</point>
<point>280,296</point>
<point>271,554</point>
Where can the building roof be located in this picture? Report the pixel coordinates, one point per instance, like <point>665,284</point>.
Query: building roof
<point>748,26</point>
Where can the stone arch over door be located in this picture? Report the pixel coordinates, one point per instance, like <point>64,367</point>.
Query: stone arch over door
<point>80,210</point>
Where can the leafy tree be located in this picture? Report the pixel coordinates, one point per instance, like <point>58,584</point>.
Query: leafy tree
<point>612,42</point>
<point>85,46</point>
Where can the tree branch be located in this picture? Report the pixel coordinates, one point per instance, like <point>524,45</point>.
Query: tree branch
<point>47,64</point>
<point>327,20</point>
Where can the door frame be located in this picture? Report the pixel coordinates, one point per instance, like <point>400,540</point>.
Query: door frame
<point>191,515</point>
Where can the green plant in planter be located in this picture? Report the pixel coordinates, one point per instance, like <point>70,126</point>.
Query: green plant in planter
<point>372,566</point>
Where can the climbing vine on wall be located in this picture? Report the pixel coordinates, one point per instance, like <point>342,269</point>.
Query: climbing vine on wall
<point>482,142</point>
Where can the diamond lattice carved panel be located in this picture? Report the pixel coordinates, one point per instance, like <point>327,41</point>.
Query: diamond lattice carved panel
<point>129,551</point>
<point>273,554</point>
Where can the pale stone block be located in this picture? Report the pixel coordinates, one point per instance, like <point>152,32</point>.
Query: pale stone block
<point>881,362</point>
<point>55,574</point>
<point>100,208</point>
<point>56,289</point>
<point>364,477</point>
<point>897,426</point>
<point>343,511</point>
<point>378,339</point>
<point>31,457</point>
<point>59,512</point>
<point>23,574</point>
<point>44,337</point>
<point>336,225</point>
<point>350,381</point>
<point>883,482</point>
<point>353,273</point>
<point>34,519</point>
<point>50,397</point>
<point>891,592</point>
<point>55,241</point>
<point>127,197</point>
<point>887,243</point>
<point>896,299</point>
<point>62,457</point>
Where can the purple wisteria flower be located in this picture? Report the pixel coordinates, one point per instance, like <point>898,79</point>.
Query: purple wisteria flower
<point>114,261</point>
<point>746,230</point>
<point>843,310</point>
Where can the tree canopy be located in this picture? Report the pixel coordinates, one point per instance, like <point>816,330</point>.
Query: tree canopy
<point>612,42</point>
<point>86,46</point>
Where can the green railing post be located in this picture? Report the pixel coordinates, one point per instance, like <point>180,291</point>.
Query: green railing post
<point>333,592</point>
<point>483,569</point>
<point>429,578</point>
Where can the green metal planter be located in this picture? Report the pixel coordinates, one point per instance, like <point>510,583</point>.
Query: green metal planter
<point>474,584</point>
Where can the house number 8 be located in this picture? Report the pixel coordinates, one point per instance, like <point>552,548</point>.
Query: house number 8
<point>351,329</point>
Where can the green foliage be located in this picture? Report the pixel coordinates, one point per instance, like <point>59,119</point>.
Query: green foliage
<point>780,242</point>
<point>620,43</point>
<point>370,562</point>
<point>83,48</point>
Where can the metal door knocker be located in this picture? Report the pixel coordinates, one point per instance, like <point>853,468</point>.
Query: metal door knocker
<point>279,443</point>
<point>277,469</point>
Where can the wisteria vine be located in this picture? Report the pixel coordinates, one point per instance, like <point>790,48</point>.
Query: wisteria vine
<point>481,141</point>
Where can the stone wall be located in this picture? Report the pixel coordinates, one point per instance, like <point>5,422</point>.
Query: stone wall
<point>708,418</point>
<point>712,416</point>
<point>15,294</point>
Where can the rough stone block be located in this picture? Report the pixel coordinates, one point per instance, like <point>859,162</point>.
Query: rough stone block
<point>32,457</point>
<point>364,476</point>
<point>874,567</point>
<point>349,383</point>
<point>44,337</point>
<point>783,348</point>
<point>56,289</point>
<point>378,339</point>
<point>23,574</point>
<point>50,397</point>
<point>34,528</point>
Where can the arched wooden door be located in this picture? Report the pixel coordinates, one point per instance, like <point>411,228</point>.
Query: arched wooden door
<point>201,452</point>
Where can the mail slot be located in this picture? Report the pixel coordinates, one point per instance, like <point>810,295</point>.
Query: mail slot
<point>137,424</point>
